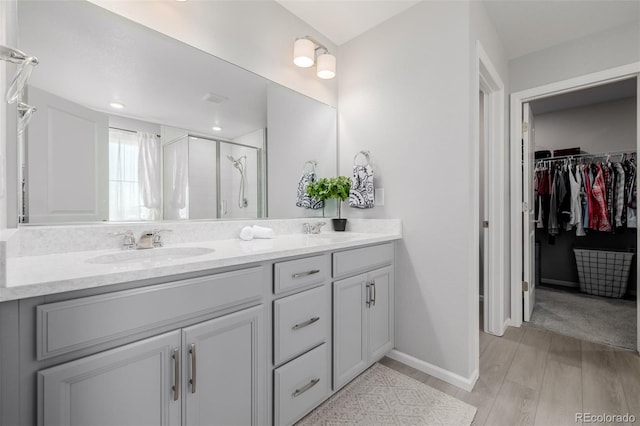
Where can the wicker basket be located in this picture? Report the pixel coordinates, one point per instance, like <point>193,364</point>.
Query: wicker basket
<point>603,272</point>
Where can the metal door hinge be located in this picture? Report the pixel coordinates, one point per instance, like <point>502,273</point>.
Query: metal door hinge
<point>525,207</point>
<point>525,127</point>
<point>525,286</point>
<point>485,224</point>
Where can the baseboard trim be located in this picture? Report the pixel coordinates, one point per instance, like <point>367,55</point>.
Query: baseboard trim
<point>506,324</point>
<point>465,383</point>
<point>559,282</point>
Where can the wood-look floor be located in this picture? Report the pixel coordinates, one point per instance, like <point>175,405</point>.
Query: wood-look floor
<point>537,377</point>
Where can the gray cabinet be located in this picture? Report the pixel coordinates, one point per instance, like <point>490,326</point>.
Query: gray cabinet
<point>362,322</point>
<point>129,385</point>
<point>211,373</point>
<point>222,372</point>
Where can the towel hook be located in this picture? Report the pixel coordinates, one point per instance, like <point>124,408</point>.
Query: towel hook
<point>312,163</point>
<point>366,156</point>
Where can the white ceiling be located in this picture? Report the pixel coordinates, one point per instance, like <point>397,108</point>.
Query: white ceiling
<point>580,98</point>
<point>528,26</point>
<point>524,26</point>
<point>340,20</point>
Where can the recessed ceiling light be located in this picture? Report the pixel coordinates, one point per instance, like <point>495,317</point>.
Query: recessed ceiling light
<point>116,105</point>
<point>216,128</point>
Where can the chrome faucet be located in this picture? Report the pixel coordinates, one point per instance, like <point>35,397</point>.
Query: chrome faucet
<point>151,239</point>
<point>146,240</point>
<point>312,228</point>
<point>157,238</point>
<point>128,240</point>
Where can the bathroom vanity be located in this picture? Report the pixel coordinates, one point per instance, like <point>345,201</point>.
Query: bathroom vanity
<point>257,332</point>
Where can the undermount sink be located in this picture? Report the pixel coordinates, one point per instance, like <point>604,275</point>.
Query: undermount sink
<point>150,255</point>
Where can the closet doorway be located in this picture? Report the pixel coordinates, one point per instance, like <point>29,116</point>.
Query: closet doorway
<point>548,255</point>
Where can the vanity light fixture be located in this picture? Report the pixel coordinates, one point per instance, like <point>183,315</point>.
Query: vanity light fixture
<point>305,54</point>
<point>216,128</point>
<point>116,105</point>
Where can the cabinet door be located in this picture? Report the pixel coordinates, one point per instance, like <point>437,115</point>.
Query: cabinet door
<point>129,385</point>
<point>380,313</point>
<point>349,329</point>
<point>224,370</point>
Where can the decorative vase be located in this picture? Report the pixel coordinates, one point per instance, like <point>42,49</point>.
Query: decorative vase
<point>339,224</point>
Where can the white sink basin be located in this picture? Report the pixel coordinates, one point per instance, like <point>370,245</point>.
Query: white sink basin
<point>155,255</point>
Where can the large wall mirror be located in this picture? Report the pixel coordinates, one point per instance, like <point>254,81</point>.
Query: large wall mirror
<point>134,125</point>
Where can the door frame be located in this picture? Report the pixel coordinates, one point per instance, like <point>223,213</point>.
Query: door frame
<point>517,99</point>
<point>489,82</point>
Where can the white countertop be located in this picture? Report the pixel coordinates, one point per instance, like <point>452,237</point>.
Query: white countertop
<point>31,276</point>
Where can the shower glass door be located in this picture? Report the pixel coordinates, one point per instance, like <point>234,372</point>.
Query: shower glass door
<point>239,181</point>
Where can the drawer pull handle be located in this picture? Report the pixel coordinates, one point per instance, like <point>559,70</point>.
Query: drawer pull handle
<point>306,323</point>
<point>176,374</point>
<point>373,293</point>
<point>304,274</point>
<point>368,294</point>
<point>306,387</point>
<point>192,380</point>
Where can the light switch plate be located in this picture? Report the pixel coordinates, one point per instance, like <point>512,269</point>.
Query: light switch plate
<point>378,194</point>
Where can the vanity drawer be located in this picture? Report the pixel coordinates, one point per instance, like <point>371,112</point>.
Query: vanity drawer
<point>72,325</point>
<point>350,262</point>
<point>300,273</point>
<point>300,322</point>
<point>300,385</point>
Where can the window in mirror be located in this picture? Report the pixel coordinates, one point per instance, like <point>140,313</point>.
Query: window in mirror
<point>134,175</point>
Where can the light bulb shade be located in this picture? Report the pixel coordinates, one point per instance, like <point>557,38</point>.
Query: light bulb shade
<point>326,66</point>
<point>304,52</point>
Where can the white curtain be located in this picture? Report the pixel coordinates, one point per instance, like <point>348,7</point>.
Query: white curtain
<point>149,178</point>
<point>178,169</point>
<point>123,176</point>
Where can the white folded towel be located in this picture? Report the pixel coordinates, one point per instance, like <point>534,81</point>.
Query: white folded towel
<point>262,232</point>
<point>247,233</point>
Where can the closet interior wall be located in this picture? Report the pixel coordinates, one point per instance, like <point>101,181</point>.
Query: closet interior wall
<point>600,127</point>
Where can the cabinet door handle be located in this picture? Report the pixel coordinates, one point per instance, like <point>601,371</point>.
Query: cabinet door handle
<point>176,374</point>
<point>304,274</point>
<point>306,323</point>
<point>192,380</point>
<point>368,294</point>
<point>306,387</point>
<point>373,293</point>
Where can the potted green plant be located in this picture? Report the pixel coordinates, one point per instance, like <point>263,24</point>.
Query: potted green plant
<point>337,188</point>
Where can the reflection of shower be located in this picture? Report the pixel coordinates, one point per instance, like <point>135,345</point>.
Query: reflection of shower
<point>241,166</point>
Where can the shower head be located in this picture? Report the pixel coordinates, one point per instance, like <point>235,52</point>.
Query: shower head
<point>236,162</point>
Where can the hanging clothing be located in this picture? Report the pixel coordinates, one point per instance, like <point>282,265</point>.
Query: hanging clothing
<point>619,196</point>
<point>630,185</point>
<point>586,197</point>
<point>553,206</point>
<point>575,184</point>
<point>599,218</point>
<point>608,183</point>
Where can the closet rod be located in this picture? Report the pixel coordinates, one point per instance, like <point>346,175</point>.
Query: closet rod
<point>598,154</point>
<point>126,130</point>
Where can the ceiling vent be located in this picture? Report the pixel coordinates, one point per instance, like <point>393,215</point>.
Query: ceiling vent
<point>214,98</point>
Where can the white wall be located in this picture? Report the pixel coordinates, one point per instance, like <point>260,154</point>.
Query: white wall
<point>606,126</point>
<point>597,52</point>
<point>255,35</point>
<point>411,107</point>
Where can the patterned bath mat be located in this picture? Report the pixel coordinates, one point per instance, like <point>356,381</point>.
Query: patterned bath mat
<point>382,396</point>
